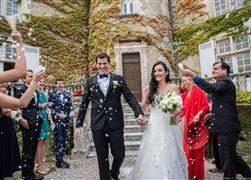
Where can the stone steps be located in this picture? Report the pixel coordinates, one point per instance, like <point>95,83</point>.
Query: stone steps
<point>133,128</point>
<point>129,146</point>
<point>127,153</point>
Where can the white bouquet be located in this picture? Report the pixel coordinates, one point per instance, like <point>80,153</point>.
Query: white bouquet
<point>170,102</point>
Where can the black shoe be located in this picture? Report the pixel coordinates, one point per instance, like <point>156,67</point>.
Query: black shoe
<point>37,177</point>
<point>215,170</point>
<point>64,165</point>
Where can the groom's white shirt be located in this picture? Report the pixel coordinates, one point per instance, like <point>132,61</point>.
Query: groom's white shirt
<point>104,83</point>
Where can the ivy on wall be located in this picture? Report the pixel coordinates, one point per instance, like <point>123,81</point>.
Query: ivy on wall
<point>106,28</point>
<point>69,43</point>
<point>62,39</point>
<point>192,35</point>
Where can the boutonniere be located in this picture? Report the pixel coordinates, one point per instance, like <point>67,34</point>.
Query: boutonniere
<point>115,84</point>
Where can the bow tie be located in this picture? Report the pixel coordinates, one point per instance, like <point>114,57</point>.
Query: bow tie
<point>103,76</point>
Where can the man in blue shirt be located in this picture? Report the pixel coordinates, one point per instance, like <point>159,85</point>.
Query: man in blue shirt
<point>61,111</point>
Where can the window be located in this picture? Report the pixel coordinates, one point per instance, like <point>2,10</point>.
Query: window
<point>1,5</point>
<point>10,52</point>
<point>236,4</point>
<point>127,8</point>
<point>12,7</point>
<point>244,62</point>
<point>224,46</point>
<point>223,6</point>
<point>229,61</point>
<point>241,42</point>
<point>220,7</point>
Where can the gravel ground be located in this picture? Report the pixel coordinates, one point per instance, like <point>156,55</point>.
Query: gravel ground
<point>83,168</point>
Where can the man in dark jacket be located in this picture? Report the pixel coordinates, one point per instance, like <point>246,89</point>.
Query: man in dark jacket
<point>104,90</point>
<point>30,127</point>
<point>225,124</point>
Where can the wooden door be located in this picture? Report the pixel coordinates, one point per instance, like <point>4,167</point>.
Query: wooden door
<point>132,73</point>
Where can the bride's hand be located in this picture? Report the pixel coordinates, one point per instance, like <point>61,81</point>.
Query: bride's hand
<point>141,120</point>
<point>141,123</point>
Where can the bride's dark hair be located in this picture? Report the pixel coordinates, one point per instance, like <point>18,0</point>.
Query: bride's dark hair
<point>154,84</point>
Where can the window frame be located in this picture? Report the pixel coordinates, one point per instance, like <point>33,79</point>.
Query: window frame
<point>127,8</point>
<point>14,10</point>
<point>10,55</point>
<point>242,44</point>
<point>230,5</point>
<point>237,4</point>
<point>243,64</point>
<point>219,43</point>
<point>220,11</point>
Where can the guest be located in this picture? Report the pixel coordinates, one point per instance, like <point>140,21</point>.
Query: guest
<point>16,73</point>
<point>61,112</point>
<point>43,136</point>
<point>10,161</point>
<point>30,127</point>
<point>212,139</point>
<point>225,123</point>
<point>195,133</point>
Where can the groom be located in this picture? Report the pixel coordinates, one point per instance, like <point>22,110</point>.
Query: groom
<point>104,91</point>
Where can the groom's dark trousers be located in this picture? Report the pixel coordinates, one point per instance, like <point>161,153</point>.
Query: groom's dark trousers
<point>102,139</point>
<point>107,122</point>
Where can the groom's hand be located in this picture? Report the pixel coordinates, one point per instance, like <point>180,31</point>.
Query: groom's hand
<point>77,134</point>
<point>141,120</point>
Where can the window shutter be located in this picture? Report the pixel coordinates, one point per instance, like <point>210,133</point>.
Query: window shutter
<point>207,58</point>
<point>32,57</point>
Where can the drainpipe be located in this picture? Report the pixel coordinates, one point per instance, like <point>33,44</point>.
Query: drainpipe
<point>174,44</point>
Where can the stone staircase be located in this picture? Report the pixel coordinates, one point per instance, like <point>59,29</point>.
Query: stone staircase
<point>132,131</point>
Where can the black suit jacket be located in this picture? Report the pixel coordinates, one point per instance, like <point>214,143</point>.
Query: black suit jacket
<point>30,112</point>
<point>224,111</point>
<point>106,109</point>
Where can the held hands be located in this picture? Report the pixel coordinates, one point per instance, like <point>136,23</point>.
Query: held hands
<point>141,120</point>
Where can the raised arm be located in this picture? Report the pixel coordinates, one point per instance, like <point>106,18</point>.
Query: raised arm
<point>218,87</point>
<point>20,66</point>
<point>11,102</point>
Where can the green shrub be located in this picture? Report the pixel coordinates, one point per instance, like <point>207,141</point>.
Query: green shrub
<point>244,112</point>
<point>243,97</point>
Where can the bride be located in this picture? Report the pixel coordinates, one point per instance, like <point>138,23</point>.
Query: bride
<point>161,154</point>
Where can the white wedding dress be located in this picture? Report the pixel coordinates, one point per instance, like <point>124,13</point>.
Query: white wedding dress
<point>161,155</point>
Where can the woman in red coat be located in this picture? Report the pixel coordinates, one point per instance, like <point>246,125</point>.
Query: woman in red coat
<point>195,133</point>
